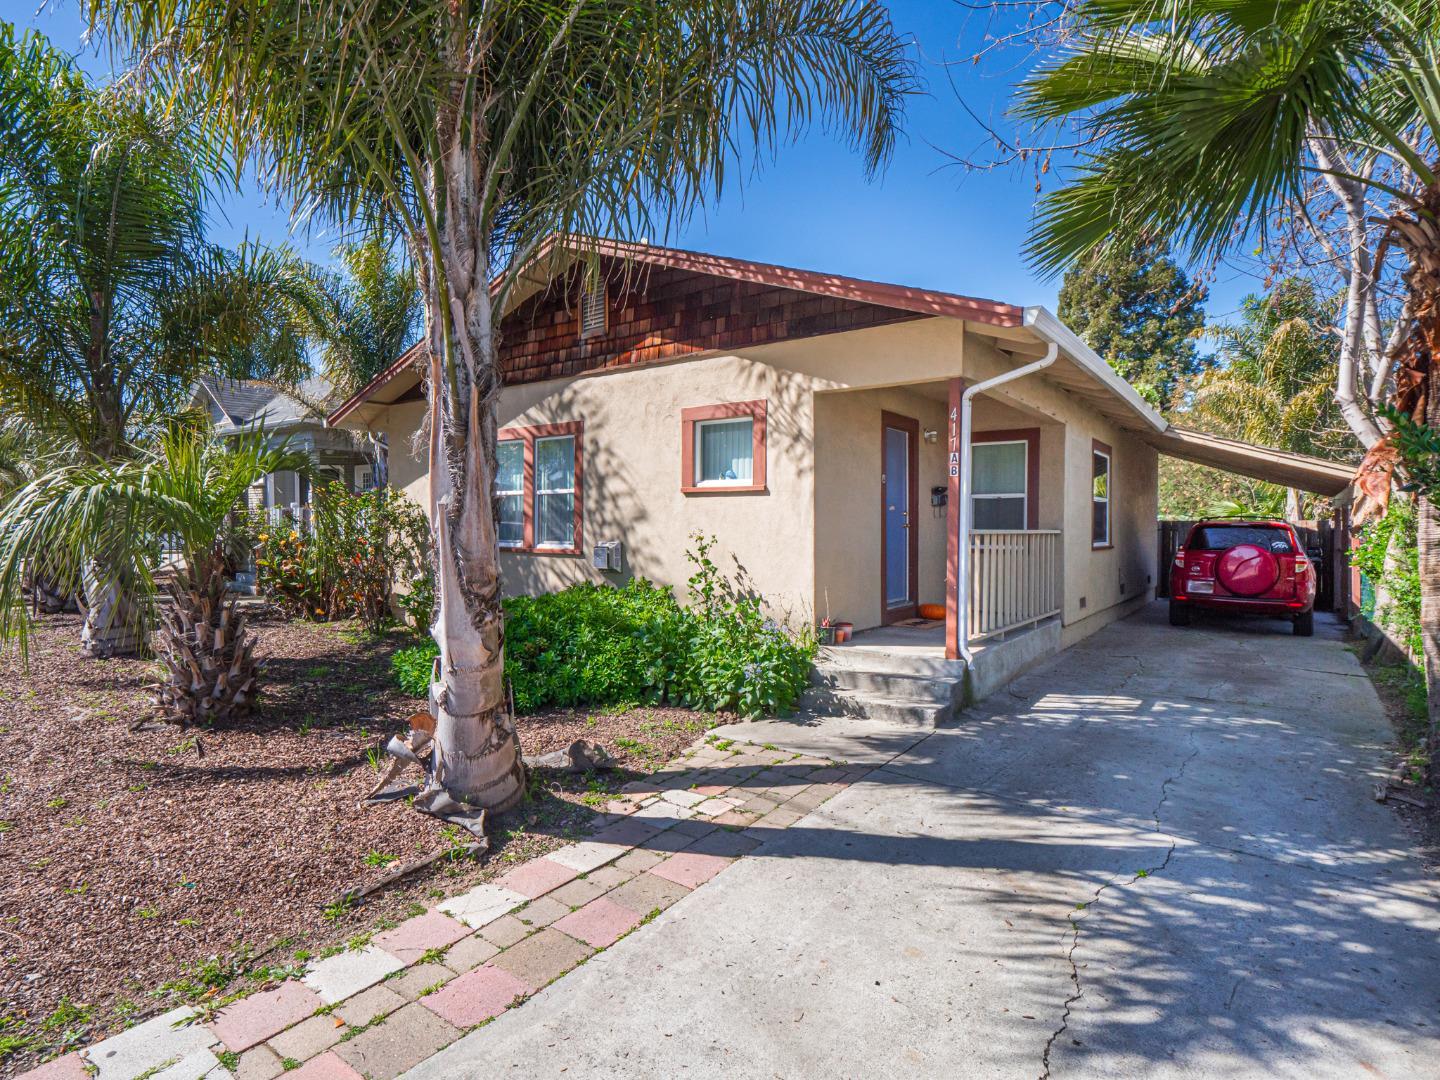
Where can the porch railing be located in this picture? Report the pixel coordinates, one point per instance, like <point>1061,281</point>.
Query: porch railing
<point>1014,579</point>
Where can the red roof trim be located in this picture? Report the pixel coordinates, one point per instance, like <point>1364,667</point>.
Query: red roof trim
<point>879,293</point>
<point>902,297</point>
<point>394,371</point>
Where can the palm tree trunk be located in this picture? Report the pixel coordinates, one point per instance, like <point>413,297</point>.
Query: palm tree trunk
<point>477,750</point>
<point>208,658</point>
<point>112,624</point>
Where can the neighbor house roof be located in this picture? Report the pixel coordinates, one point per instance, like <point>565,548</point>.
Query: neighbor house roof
<point>248,402</point>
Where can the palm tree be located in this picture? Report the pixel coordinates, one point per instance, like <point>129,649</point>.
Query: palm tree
<point>1204,117</point>
<point>478,130</point>
<point>178,497</point>
<point>111,300</point>
<point>1274,378</point>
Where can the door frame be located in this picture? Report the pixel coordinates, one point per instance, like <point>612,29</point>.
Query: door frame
<point>910,610</point>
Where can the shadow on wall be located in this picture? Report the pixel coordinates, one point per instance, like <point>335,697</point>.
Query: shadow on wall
<point>631,488</point>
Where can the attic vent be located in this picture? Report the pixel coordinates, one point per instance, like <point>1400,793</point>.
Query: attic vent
<point>592,311</point>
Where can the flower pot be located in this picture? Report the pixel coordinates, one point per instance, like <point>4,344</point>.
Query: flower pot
<point>826,634</point>
<point>844,631</point>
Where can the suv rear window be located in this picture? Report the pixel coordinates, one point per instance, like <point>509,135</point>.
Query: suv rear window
<point>1224,537</point>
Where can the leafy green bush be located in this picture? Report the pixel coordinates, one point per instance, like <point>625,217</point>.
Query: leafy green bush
<point>602,646</point>
<point>1400,580</point>
<point>357,547</point>
<point>411,667</point>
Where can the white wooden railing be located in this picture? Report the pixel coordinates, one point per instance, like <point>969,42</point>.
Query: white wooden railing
<point>1014,579</point>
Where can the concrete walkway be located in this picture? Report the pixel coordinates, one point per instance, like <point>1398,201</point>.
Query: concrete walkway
<point>1155,856</point>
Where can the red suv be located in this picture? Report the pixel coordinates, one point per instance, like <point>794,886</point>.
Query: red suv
<point>1248,567</point>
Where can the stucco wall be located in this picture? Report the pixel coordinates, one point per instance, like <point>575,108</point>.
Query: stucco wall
<point>632,479</point>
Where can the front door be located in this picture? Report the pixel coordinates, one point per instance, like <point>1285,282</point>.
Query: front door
<point>899,538</point>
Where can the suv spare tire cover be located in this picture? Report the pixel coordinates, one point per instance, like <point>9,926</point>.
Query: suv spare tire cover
<point>1248,570</point>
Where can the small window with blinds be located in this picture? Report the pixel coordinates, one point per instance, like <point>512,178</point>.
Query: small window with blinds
<point>594,310</point>
<point>723,448</point>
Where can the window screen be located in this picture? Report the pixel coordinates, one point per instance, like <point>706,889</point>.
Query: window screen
<point>998,485</point>
<point>510,490</point>
<point>725,451</point>
<point>1100,499</point>
<point>555,492</point>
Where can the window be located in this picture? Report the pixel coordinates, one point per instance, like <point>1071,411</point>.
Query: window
<point>723,448</point>
<point>998,487</point>
<point>538,488</point>
<point>555,492</point>
<point>510,490</point>
<point>593,311</point>
<point>1100,495</point>
<point>1224,537</point>
<point>364,478</point>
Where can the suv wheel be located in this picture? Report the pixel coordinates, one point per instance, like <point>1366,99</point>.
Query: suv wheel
<point>1179,614</point>
<point>1305,624</point>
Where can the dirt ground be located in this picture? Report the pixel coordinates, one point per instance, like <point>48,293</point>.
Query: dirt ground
<point>145,867</point>
<point>1402,692</point>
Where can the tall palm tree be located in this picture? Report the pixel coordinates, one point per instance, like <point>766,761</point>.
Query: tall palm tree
<point>111,299</point>
<point>1204,117</point>
<point>1274,379</point>
<point>478,130</point>
<point>176,496</point>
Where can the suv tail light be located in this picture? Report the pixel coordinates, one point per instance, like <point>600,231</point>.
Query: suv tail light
<point>1180,556</point>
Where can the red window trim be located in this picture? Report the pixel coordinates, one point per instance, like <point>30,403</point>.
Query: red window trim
<point>528,435</point>
<point>1104,448</point>
<point>727,411</point>
<point>1030,436</point>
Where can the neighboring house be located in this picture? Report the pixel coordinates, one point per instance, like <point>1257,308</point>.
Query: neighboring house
<point>812,423</point>
<point>234,405</point>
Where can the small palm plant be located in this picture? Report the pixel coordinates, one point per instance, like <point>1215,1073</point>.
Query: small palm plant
<point>178,497</point>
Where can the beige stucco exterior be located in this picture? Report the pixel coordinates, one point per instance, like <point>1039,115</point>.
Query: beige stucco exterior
<point>810,543</point>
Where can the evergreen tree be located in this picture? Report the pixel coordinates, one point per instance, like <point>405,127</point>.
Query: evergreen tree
<point>1139,310</point>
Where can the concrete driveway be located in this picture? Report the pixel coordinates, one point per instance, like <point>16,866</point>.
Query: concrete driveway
<point>1155,856</point>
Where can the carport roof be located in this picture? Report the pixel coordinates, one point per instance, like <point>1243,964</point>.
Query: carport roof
<point>1329,478</point>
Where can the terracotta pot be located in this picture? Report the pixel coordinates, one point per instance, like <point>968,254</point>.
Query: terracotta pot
<point>844,631</point>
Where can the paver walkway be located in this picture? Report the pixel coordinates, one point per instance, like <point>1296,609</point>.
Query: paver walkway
<point>1156,856</point>
<point>376,1010</point>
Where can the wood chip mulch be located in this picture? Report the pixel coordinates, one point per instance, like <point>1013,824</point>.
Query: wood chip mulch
<point>132,857</point>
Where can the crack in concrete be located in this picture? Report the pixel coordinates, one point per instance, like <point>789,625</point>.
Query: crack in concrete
<point>1095,898</point>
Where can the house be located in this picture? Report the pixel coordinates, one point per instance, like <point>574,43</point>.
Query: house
<point>234,405</point>
<point>859,449</point>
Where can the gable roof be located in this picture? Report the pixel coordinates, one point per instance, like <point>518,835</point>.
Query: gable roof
<point>557,255</point>
<point>247,402</point>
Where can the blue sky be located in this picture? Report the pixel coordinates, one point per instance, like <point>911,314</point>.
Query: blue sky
<point>923,222</point>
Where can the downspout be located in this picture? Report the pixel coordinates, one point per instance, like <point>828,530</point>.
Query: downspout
<point>962,570</point>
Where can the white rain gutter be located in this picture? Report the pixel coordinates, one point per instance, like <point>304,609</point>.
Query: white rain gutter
<point>962,570</point>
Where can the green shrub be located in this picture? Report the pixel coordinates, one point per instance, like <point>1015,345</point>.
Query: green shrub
<point>1401,578</point>
<point>357,547</point>
<point>411,667</point>
<point>601,646</point>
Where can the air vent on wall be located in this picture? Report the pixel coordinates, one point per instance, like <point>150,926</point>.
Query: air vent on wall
<point>592,311</point>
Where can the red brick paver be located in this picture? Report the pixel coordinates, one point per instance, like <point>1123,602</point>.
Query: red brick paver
<point>69,1067</point>
<point>537,877</point>
<point>325,1067</point>
<point>252,1020</point>
<point>414,937</point>
<point>690,868</point>
<point>475,996</point>
<point>600,923</point>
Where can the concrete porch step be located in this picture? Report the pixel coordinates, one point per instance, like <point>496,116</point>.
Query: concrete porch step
<point>887,684</point>
<point>923,661</point>
<point>822,702</point>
